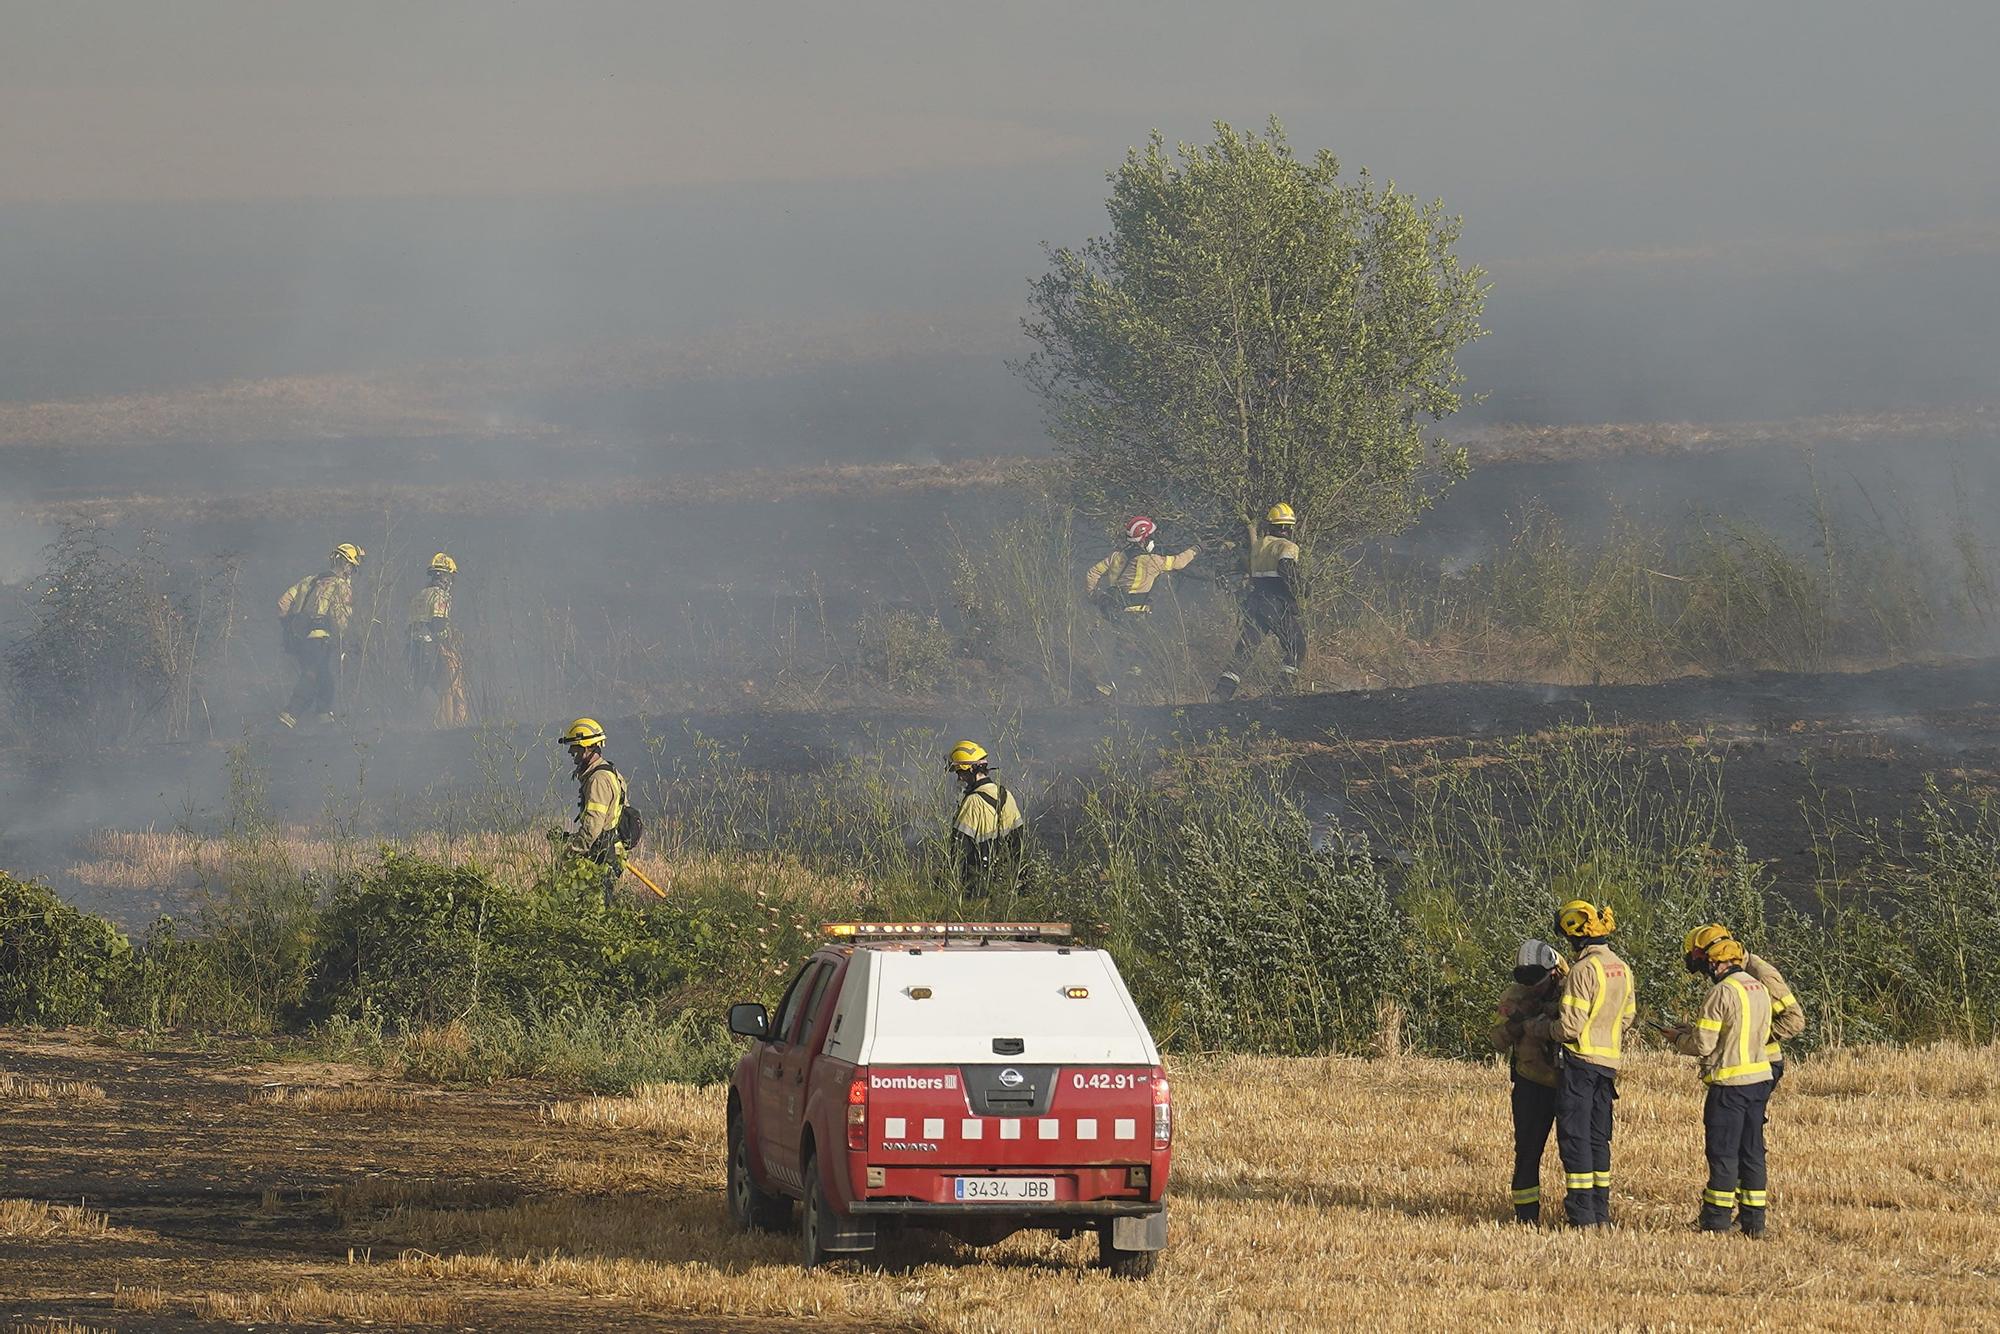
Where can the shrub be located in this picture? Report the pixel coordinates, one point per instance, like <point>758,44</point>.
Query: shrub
<point>908,649</point>
<point>1262,943</point>
<point>113,640</point>
<point>416,943</point>
<point>57,965</point>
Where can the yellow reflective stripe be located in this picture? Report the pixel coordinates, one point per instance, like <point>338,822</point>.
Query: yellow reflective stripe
<point>1754,1199</point>
<point>596,807</point>
<point>1779,1004</point>
<point>1735,983</point>
<point>1528,1195</point>
<point>1721,1199</point>
<point>1602,1180</point>
<point>1747,1068</point>
<point>1583,1046</point>
<point>1712,1025</point>
<point>1580,1180</point>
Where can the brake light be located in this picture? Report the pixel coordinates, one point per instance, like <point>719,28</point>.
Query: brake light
<point>857,1112</point>
<point>1163,1110</point>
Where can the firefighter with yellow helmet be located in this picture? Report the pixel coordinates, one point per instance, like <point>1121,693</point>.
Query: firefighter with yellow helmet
<point>314,613</point>
<point>1270,602</point>
<point>1788,1012</point>
<point>986,832</point>
<point>435,665</point>
<point>1122,586</point>
<point>601,803</point>
<point>1729,1038</point>
<point>1599,1004</point>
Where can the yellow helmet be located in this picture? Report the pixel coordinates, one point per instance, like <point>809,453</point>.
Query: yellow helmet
<point>347,552</point>
<point>1725,950</point>
<point>964,756</point>
<point>1579,919</point>
<point>582,732</point>
<point>1280,513</point>
<point>1703,936</point>
<point>443,564</point>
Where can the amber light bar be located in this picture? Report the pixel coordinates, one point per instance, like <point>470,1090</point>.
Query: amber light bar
<point>945,930</point>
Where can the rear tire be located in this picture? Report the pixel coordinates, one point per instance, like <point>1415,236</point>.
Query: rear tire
<point>815,1220</point>
<point>750,1208</point>
<point>1121,1263</point>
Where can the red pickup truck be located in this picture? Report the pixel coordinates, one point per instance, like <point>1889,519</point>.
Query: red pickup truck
<point>977,1078</point>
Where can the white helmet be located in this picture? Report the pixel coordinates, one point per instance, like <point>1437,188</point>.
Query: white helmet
<point>1537,954</point>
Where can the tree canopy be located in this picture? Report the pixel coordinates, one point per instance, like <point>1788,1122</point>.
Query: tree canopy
<point>1255,329</point>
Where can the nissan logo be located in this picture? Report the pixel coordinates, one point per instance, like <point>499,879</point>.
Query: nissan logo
<point>1012,1078</point>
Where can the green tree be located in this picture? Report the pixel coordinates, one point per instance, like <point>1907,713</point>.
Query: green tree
<point>1255,329</point>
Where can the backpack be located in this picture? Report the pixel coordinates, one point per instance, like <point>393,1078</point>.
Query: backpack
<point>631,828</point>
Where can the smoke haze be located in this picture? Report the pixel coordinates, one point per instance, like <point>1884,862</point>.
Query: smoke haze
<point>516,280</point>
<point>1688,209</point>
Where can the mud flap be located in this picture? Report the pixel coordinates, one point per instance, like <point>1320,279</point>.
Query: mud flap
<point>1147,1232</point>
<point>842,1232</point>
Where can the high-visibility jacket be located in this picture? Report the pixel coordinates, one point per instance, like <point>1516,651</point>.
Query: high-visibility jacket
<point>1274,562</point>
<point>988,812</point>
<point>600,801</point>
<point>432,603</point>
<point>324,600</point>
<point>1528,1057</point>
<point>1599,1005</point>
<point>1788,1013</point>
<point>1729,1035</point>
<point>1132,575</point>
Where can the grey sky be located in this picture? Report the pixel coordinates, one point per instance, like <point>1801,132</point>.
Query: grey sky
<point>920,151</point>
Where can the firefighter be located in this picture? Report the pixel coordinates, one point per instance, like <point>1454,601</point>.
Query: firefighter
<point>986,833</point>
<point>435,664</point>
<point>1599,1003</point>
<point>1122,585</point>
<point>314,613</point>
<point>1728,1038</point>
<point>1270,602</point>
<point>1535,993</point>
<point>1788,1013</point>
<point>600,803</point>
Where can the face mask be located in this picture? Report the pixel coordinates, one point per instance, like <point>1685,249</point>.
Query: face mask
<point>1529,977</point>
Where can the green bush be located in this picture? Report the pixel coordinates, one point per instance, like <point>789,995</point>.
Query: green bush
<point>1261,943</point>
<point>57,965</point>
<point>417,943</point>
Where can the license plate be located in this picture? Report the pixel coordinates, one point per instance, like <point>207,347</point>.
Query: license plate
<point>1004,1188</point>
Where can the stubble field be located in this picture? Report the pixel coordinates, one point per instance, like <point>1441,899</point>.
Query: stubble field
<point>217,1188</point>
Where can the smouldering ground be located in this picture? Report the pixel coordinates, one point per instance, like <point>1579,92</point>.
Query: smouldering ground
<point>1307,1194</point>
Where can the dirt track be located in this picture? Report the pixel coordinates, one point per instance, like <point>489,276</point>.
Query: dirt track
<point>228,1178</point>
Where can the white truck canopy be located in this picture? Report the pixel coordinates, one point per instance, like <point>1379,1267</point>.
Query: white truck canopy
<point>978,995</point>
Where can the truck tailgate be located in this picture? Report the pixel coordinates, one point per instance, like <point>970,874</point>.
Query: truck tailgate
<point>1010,1116</point>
